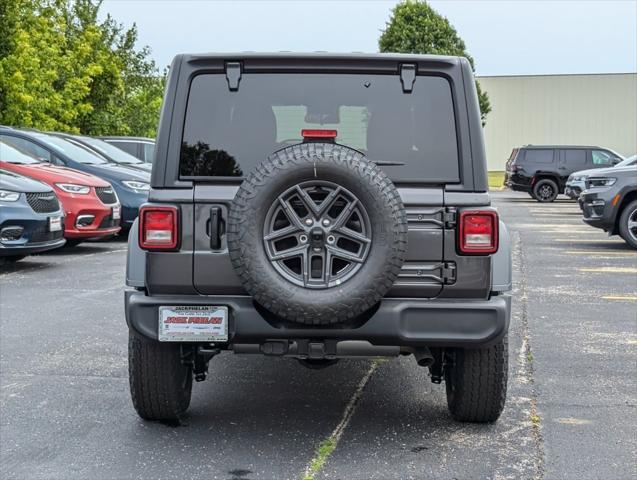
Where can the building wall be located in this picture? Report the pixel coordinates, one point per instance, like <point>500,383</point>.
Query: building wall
<point>560,109</point>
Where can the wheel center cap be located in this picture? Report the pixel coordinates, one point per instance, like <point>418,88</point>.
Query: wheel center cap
<point>317,238</point>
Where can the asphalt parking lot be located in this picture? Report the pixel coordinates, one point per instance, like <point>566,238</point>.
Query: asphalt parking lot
<point>66,412</point>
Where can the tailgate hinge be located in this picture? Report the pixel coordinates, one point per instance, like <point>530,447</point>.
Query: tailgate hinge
<point>448,273</point>
<point>449,217</point>
<point>407,76</point>
<point>233,75</point>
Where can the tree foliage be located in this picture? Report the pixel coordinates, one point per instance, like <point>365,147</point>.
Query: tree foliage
<point>415,27</point>
<point>64,69</point>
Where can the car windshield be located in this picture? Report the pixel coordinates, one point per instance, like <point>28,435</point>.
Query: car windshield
<point>628,162</point>
<point>11,154</point>
<point>111,152</point>
<point>74,152</point>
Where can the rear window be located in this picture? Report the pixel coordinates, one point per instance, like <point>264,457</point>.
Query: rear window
<point>575,156</point>
<point>538,155</point>
<point>227,133</point>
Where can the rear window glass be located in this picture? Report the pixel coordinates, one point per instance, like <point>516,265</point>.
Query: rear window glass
<point>537,155</point>
<point>226,134</point>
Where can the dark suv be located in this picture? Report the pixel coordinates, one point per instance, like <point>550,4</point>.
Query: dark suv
<point>542,170</point>
<point>319,207</point>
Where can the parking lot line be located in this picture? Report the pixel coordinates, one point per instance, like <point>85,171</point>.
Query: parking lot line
<point>587,240</point>
<point>621,298</point>
<point>600,253</point>
<point>609,270</point>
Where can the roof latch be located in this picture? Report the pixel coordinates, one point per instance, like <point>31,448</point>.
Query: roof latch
<point>407,76</point>
<point>233,75</point>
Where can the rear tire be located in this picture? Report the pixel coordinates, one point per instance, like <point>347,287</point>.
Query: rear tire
<point>160,385</point>
<point>629,215</point>
<point>545,190</point>
<point>476,382</point>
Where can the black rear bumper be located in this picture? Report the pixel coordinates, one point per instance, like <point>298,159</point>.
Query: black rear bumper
<point>397,322</point>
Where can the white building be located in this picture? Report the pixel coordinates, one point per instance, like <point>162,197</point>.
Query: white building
<point>598,109</point>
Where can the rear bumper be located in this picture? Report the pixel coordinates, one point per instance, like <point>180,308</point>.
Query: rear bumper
<point>397,322</point>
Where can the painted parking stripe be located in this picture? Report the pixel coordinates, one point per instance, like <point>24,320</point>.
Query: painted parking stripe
<point>598,253</point>
<point>609,270</point>
<point>587,240</point>
<point>621,298</point>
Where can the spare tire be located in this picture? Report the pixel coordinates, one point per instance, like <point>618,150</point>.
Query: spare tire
<point>317,233</point>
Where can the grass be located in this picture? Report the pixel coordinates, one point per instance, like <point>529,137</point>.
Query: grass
<point>324,450</point>
<point>496,179</point>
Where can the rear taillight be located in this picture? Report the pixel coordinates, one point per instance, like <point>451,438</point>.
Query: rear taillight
<point>158,227</point>
<point>478,232</point>
<point>318,133</point>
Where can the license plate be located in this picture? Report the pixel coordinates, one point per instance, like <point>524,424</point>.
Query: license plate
<point>193,324</point>
<point>55,224</point>
<point>117,212</point>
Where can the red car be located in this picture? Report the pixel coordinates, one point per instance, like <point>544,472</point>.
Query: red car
<point>90,204</point>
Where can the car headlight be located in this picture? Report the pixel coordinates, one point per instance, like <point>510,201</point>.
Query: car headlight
<point>135,185</point>
<point>575,179</point>
<point>73,188</point>
<point>601,182</point>
<point>9,196</point>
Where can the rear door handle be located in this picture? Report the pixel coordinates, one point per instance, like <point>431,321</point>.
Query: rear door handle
<point>215,228</point>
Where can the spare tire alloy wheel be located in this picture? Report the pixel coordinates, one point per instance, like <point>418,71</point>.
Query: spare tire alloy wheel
<point>317,233</point>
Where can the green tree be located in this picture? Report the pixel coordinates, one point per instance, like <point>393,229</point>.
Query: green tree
<point>63,69</point>
<point>415,27</point>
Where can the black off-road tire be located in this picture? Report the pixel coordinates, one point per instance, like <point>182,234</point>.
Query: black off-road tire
<point>349,169</point>
<point>627,212</point>
<point>160,385</point>
<point>476,382</point>
<point>541,186</point>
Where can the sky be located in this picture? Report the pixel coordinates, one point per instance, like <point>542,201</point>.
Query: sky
<point>515,37</point>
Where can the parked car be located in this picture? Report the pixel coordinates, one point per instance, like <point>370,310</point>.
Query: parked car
<point>283,229</point>
<point>542,170</point>
<point>90,204</point>
<point>131,186</point>
<point>111,153</point>
<point>610,202</point>
<point>140,147</point>
<point>576,182</point>
<point>31,219</point>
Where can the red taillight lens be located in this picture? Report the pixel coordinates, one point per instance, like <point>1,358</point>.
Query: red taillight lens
<point>318,133</point>
<point>158,227</point>
<point>478,232</point>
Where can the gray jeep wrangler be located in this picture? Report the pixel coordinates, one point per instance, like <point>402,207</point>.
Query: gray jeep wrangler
<point>319,207</point>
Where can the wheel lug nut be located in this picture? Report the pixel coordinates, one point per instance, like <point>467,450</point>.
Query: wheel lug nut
<point>326,222</point>
<point>309,221</point>
<point>331,239</point>
<point>303,238</point>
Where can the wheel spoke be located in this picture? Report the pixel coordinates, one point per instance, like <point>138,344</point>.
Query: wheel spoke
<point>281,233</point>
<point>352,235</point>
<point>291,214</point>
<point>344,254</point>
<point>289,253</point>
<point>344,215</point>
<point>632,224</point>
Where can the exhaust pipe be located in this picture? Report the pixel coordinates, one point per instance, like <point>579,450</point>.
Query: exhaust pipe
<point>423,357</point>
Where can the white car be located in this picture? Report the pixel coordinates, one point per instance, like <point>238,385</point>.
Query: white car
<point>576,181</point>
